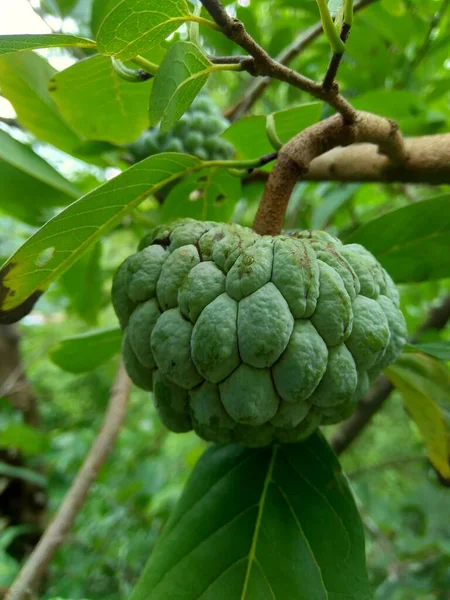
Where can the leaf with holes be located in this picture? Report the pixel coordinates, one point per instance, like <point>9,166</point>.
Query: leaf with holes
<point>85,352</point>
<point>83,285</point>
<point>209,195</point>
<point>181,75</point>
<point>19,43</point>
<point>258,524</point>
<point>425,386</point>
<point>66,237</point>
<point>135,26</point>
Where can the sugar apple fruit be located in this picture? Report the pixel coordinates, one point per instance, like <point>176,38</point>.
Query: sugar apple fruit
<point>252,338</point>
<point>196,133</point>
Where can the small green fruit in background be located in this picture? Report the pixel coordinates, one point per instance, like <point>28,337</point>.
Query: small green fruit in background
<point>253,339</point>
<point>197,133</point>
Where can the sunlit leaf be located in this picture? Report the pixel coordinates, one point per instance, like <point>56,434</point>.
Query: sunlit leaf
<point>138,25</point>
<point>18,43</point>
<point>98,104</point>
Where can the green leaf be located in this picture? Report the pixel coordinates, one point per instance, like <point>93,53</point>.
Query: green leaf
<point>135,26</point>
<point>66,237</point>
<point>18,43</point>
<point>29,186</point>
<point>83,284</point>
<point>440,349</point>
<point>209,195</point>
<point>12,472</point>
<point>100,10</point>
<point>181,75</point>
<point>249,136</point>
<point>24,81</point>
<point>85,352</point>
<point>331,203</point>
<point>113,110</point>
<point>292,121</point>
<point>425,386</point>
<point>414,242</point>
<point>258,524</point>
<point>24,438</point>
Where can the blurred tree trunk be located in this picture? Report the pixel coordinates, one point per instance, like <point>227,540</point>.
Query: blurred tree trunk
<point>21,502</point>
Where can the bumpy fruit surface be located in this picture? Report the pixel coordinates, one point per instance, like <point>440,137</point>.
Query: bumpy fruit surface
<point>254,338</point>
<point>196,133</point>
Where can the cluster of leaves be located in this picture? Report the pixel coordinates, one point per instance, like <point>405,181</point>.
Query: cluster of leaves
<point>395,66</point>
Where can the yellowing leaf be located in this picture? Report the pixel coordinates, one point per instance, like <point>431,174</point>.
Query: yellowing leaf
<point>425,386</point>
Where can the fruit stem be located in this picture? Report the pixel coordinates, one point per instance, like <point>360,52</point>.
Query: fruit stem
<point>145,64</point>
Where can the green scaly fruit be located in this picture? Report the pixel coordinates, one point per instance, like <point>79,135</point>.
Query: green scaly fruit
<point>253,339</point>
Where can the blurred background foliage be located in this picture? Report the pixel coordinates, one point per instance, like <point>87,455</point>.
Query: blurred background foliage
<point>398,65</point>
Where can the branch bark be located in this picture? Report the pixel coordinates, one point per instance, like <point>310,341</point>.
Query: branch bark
<point>428,161</point>
<point>263,64</point>
<point>286,56</point>
<point>437,318</point>
<point>295,157</point>
<point>54,535</point>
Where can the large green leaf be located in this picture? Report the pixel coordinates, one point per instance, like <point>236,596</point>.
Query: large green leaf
<point>66,237</point>
<point>181,75</point>
<point>29,186</point>
<point>425,386</point>
<point>85,352</point>
<point>24,81</point>
<point>412,243</point>
<point>18,43</point>
<point>134,26</point>
<point>98,104</point>
<point>258,524</point>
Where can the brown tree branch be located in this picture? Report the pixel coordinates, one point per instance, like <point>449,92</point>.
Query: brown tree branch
<point>302,41</point>
<point>437,319</point>
<point>263,64</point>
<point>54,535</point>
<point>428,161</point>
<point>295,157</point>
<point>333,66</point>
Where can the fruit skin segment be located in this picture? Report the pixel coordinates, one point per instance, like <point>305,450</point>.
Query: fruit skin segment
<point>254,339</point>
